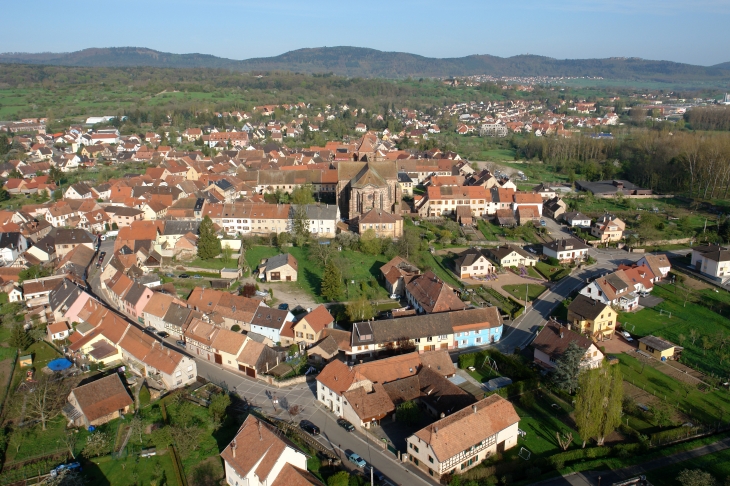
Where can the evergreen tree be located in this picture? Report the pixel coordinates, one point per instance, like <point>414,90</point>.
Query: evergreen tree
<point>567,368</point>
<point>19,338</point>
<point>209,246</point>
<point>332,287</point>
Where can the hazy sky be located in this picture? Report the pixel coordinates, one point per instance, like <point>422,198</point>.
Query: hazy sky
<point>691,31</point>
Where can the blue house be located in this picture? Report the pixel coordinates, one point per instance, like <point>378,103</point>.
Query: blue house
<point>479,333</point>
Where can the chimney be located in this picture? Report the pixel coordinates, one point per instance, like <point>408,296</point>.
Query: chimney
<point>474,407</point>
<point>561,334</point>
<point>233,448</point>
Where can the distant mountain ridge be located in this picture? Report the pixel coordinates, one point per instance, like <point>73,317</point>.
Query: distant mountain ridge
<point>364,62</point>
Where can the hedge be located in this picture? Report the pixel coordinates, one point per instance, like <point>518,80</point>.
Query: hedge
<point>518,388</point>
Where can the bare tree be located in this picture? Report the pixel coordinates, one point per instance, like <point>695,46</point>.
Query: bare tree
<point>69,439</point>
<point>564,439</point>
<point>47,398</point>
<point>321,250</point>
<point>693,335</point>
<point>137,427</point>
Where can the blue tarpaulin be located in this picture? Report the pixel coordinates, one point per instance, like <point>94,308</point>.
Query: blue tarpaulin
<point>59,364</point>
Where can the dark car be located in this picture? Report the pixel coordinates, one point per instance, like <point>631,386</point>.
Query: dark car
<point>163,334</point>
<point>284,307</point>
<point>150,329</point>
<point>180,343</point>
<point>184,275</point>
<point>345,425</point>
<point>308,426</point>
<point>377,475</point>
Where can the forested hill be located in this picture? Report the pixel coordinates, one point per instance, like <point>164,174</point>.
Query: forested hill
<point>356,61</point>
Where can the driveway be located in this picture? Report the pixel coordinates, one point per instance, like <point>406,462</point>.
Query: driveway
<point>650,301</point>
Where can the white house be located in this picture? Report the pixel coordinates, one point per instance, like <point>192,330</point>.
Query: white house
<point>270,322</point>
<point>566,250</point>
<point>658,264</point>
<point>259,455</point>
<point>712,261</point>
<point>576,219</point>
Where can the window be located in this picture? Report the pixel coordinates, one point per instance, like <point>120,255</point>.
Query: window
<point>430,459</point>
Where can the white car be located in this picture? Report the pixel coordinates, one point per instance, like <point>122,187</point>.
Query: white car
<point>626,335</point>
<point>394,296</point>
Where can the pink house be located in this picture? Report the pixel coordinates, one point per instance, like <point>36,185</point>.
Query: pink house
<point>135,301</point>
<point>72,313</point>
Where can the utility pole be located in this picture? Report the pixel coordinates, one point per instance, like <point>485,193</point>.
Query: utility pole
<point>527,288</point>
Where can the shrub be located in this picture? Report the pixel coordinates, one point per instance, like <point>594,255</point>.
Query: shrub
<point>235,328</point>
<point>467,360</point>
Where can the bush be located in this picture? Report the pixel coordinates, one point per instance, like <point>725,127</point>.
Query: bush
<point>467,360</point>
<point>235,328</point>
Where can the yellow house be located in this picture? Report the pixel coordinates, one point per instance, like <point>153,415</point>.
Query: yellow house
<point>660,348</point>
<point>308,329</point>
<point>591,317</point>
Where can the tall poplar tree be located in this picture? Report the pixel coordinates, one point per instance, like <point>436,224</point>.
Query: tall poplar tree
<point>598,403</point>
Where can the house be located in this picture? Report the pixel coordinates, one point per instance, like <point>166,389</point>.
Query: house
<point>510,256</point>
<point>554,208</point>
<point>308,329</point>
<point>406,183</point>
<point>544,190</point>
<point>463,440</point>
<point>659,348</point>
<point>397,272</point>
<point>322,219</point>
<point>98,402</point>
<point>608,228</point>
<point>591,317</point>
<point>429,294</point>
<point>279,268</point>
<point>260,455</point>
<point>271,322</point>
<point>383,223</point>
<point>66,240</point>
<point>552,341</point>
<point>658,264</point>
<point>611,187</point>
<point>473,263</point>
<point>12,244</point>
<point>79,190</point>
<point>528,199</point>
<point>615,289</point>
<point>256,358</point>
<point>712,261</point>
<point>58,331</point>
<point>566,250</point>
<point>487,330</point>
<point>577,219</point>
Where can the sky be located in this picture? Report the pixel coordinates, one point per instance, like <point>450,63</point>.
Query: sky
<point>690,31</point>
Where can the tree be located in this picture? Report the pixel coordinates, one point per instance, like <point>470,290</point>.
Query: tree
<point>226,253</point>
<point>567,368</point>
<point>300,225</point>
<point>282,239</point>
<point>360,310</point>
<point>303,194</point>
<point>696,477</point>
<point>408,413</point>
<point>69,439</point>
<point>693,335</point>
<point>19,338</point>
<point>322,250</point>
<point>370,244</point>
<point>136,426</point>
<point>97,444</point>
<point>219,403</point>
<point>186,438</point>
<point>342,478</point>
<point>598,402</point>
<point>46,399</point>
<point>209,246</point>
<point>332,288</point>
<point>564,439</point>
<point>706,344</point>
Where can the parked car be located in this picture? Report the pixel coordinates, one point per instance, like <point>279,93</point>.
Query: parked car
<point>150,329</point>
<point>308,426</point>
<point>394,296</point>
<point>180,343</point>
<point>284,307</point>
<point>197,276</point>
<point>626,335</point>
<point>357,460</point>
<point>163,334</point>
<point>377,475</point>
<point>345,425</point>
<point>168,274</point>
<point>543,223</point>
<point>184,275</point>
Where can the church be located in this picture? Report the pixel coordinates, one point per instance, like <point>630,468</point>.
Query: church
<point>362,186</point>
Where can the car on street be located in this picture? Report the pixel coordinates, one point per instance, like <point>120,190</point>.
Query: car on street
<point>163,334</point>
<point>309,427</point>
<point>150,329</point>
<point>184,275</point>
<point>180,343</point>
<point>168,274</point>
<point>377,475</point>
<point>197,276</point>
<point>357,460</point>
<point>543,223</point>
<point>284,307</point>
<point>345,425</point>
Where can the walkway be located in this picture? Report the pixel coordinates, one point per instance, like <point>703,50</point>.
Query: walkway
<point>590,478</point>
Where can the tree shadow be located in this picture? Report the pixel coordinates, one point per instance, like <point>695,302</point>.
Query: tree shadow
<point>313,280</point>
<point>93,474</point>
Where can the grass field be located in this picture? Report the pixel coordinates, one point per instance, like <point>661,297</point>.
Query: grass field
<point>355,266</point>
<point>518,291</point>
<point>703,407</point>
<point>717,464</point>
<point>106,470</point>
<point>550,272</point>
<point>704,313</point>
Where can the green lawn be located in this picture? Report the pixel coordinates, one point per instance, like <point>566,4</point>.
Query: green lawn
<point>489,230</point>
<point>105,470</point>
<point>717,464</point>
<point>212,264</point>
<point>551,272</point>
<point>533,273</point>
<point>483,374</point>
<point>702,407</point>
<point>518,291</point>
<point>704,312</point>
<point>499,155</point>
<point>440,268</point>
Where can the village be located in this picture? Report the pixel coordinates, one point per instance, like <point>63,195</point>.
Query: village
<point>420,303</point>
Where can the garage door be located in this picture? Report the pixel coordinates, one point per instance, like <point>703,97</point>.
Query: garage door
<point>250,372</point>
<point>218,359</point>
